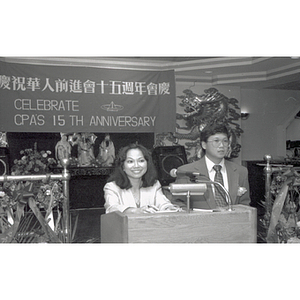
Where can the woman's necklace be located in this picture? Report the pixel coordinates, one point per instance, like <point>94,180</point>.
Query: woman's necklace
<point>136,196</point>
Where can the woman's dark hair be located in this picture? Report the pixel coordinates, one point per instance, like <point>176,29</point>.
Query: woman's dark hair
<point>121,178</point>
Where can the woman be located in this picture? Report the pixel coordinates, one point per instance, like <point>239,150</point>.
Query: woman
<point>133,187</point>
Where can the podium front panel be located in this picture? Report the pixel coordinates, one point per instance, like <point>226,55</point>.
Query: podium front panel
<point>238,226</point>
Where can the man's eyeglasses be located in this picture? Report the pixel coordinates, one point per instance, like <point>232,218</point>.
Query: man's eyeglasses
<point>216,143</point>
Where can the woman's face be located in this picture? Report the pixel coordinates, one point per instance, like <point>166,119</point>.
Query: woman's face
<point>135,164</point>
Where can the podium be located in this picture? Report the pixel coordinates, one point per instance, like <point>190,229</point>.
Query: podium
<point>237,226</point>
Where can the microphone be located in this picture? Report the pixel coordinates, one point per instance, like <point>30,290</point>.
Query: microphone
<point>174,173</point>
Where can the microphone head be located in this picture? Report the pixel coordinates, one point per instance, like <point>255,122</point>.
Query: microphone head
<point>173,173</point>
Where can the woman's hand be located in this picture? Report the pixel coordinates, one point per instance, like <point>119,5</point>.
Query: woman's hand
<point>143,209</point>
<point>150,209</point>
<point>174,208</point>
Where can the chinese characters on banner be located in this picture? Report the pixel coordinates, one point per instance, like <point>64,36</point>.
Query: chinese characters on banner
<point>37,98</point>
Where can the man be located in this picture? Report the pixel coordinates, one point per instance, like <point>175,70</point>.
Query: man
<point>215,144</point>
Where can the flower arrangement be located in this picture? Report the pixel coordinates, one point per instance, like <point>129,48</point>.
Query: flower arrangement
<point>33,162</point>
<point>281,224</point>
<point>241,191</point>
<point>47,195</point>
<point>39,195</point>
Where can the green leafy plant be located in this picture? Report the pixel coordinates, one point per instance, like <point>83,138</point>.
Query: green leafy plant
<point>41,197</point>
<point>279,224</point>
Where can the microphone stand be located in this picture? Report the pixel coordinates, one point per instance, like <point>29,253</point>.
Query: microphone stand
<point>187,189</point>
<point>188,195</point>
<point>230,208</point>
<point>188,192</point>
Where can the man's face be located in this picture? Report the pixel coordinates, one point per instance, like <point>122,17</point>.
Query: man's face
<point>216,147</point>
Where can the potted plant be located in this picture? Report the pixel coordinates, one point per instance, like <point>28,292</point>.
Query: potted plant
<point>30,211</point>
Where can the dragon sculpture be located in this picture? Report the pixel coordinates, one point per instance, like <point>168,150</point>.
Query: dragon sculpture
<point>204,110</point>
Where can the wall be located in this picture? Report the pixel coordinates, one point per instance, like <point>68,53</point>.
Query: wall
<point>228,91</point>
<point>271,112</point>
<point>293,130</point>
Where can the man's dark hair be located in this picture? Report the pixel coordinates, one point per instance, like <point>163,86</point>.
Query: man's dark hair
<point>212,130</point>
<point>120,177</point>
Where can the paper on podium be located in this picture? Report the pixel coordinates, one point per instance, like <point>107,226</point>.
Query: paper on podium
<point>205,210</point>
<point>166,211</point>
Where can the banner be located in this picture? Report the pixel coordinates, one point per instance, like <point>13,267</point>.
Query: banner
<point>42,98</point>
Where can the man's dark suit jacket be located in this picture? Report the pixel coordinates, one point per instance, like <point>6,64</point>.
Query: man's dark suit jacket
<point>237,177</point>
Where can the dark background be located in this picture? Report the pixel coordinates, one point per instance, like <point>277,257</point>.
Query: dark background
<point>18,141</point>
<point>86,191</point>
